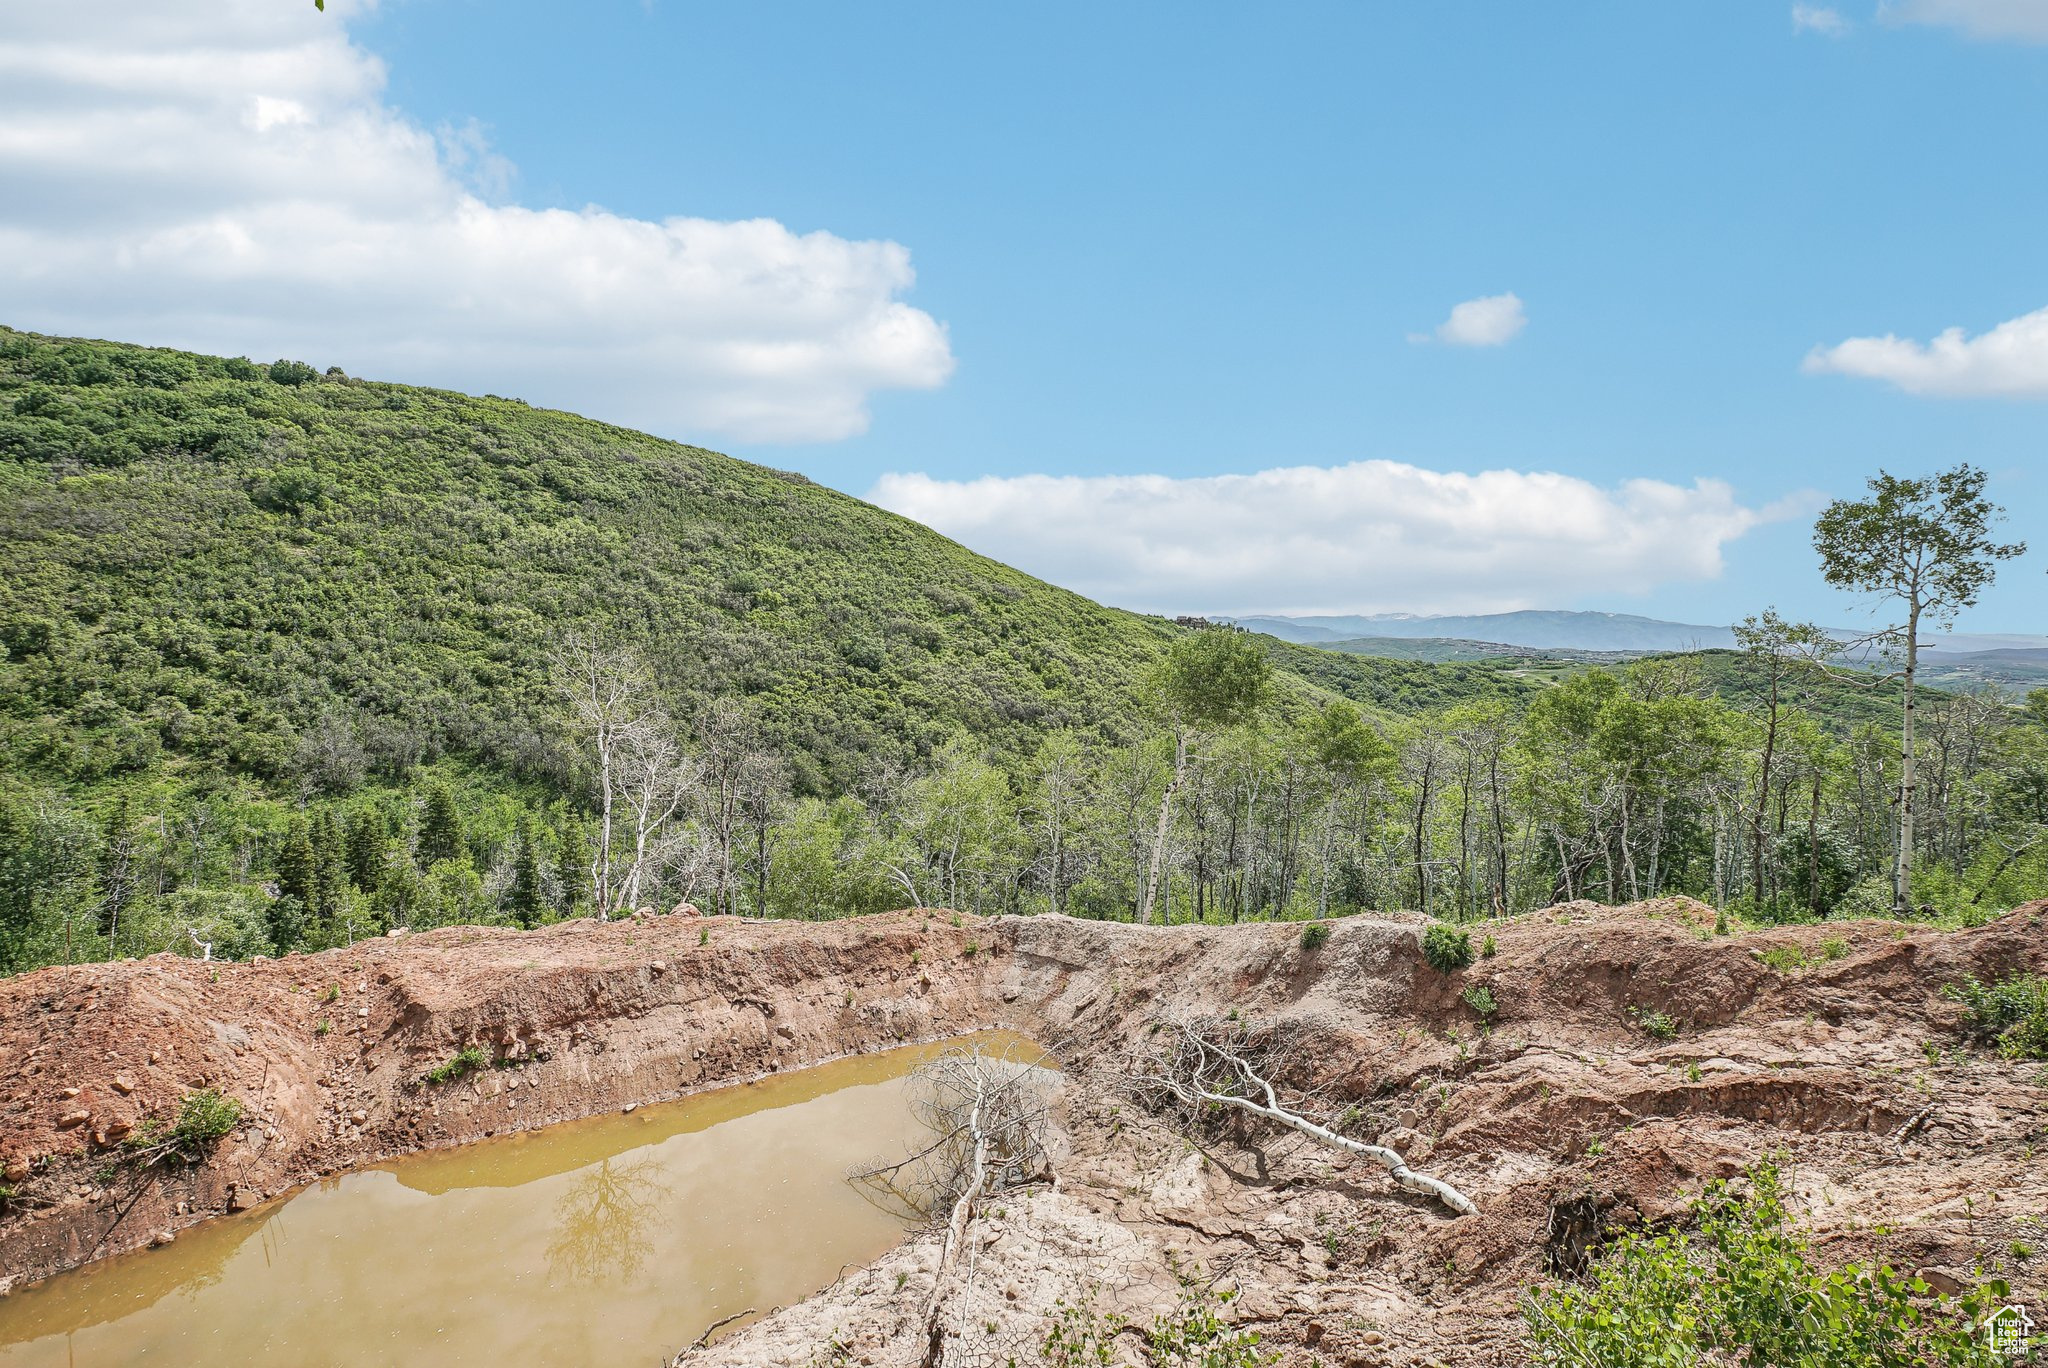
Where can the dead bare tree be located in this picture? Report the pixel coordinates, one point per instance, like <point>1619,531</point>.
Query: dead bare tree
<point>644,772</point>
<point>1191,1065</point>
<point>654,775</point>
<point>609,690</point>
<point>987,1113</point>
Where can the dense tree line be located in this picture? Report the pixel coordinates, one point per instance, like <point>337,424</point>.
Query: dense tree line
<point>1614,785</point>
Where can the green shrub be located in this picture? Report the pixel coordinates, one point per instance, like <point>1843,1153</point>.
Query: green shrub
<point>2012,1013</point>
<point>1446,948</point>
<point>1742,1289</point>
<point>203,1118</point>
<point>1488,948</point>
<point>1480,999</point>
<point>1314,934</point>
<point>1834,948</point>
<point>1656,1025</point>
<point>467,1060</point>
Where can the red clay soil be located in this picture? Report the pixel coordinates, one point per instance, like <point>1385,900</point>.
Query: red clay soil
<point>327,1051</point>
<point>1564,1102</point>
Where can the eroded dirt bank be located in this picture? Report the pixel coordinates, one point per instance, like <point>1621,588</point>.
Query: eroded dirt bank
<point>327,1051</point>
<point>1562,1101</point>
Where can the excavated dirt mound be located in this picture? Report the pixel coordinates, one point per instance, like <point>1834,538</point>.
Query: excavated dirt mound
<point>1571,1113</point>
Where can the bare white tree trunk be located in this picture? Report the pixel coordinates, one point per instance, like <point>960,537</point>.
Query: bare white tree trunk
<point>610,693</point>
<point>1180,769</point>
<point>655,775</point>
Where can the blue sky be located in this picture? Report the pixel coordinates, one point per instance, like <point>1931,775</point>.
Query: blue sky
<point>1207,240</point>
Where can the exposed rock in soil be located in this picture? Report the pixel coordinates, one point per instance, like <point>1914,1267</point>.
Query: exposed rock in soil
<point>1562,1116</point>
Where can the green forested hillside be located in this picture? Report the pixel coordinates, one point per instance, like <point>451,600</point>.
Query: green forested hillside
<point>253,587</point>
<point>278,669</point>
<point>284,572</point>
<point>237,566</point>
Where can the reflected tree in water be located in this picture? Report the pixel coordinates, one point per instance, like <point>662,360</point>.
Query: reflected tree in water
<point>604,1223</point>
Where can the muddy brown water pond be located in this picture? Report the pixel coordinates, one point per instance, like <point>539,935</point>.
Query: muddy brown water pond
<point>615,1240</point>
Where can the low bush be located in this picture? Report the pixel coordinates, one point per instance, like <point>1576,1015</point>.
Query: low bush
<point>1656,1025</point>
<point>467,1060</point>
<point>1314,935</point>
<point>1741,1288</point>
<point>2011,1013</point>
<point>1480,999</point>
<point>1446,948</point>
<point>203,1118</point>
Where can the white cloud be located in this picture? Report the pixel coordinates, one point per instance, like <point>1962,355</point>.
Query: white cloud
<point>227,177</point>
<point>1367,537</point>
<point>2010,361</point>
<point>1489,321</point>
<point>2026,20</point>
<point>1820,19</point>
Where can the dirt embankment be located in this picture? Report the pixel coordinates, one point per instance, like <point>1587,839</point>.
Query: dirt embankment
<point>327,1052</point>
<point>1567,1101</point>
<point>1570,1098</point>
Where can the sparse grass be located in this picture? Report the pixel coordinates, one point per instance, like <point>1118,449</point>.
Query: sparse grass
<point>1656,1025</point>
<point>1834,948</point>
<point>1446,948</point>
<point>466,1060</point>
<point>1783,958</point>
<point>322,1027</point>
<point>2012,1013</point>
<point>1314,935</point>
<point>1487,947</point>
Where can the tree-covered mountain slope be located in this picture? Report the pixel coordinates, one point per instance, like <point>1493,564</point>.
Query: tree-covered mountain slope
<point>291,575</point>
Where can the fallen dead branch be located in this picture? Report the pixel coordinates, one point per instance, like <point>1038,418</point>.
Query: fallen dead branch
<point>1192,1065</point>
<point>987,1113</point>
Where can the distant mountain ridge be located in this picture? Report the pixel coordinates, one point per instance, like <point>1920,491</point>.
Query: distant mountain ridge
<point>1559,629</point>
<point>1540,628</point>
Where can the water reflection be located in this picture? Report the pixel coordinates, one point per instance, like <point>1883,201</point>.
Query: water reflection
<point>604,1222</point>
<point>608,1241</point>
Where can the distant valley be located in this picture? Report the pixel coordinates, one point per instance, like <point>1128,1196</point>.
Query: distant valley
<point>1564,638</point>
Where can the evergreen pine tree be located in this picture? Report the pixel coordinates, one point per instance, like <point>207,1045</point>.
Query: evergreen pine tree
<point>295,872</point>
<point>440,827</point>
<point>366,841</point>
<point>525,896</point>
<point>330,868</point>
<point>571,875</point>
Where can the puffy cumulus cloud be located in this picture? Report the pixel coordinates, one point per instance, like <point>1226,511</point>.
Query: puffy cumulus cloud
<point>2026,20</point>
<point>1489,321</point>
<point>1367,537</point>
<point>227,176</point>
<point>1820,19</point>
<point>2010,361</point>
